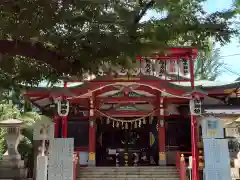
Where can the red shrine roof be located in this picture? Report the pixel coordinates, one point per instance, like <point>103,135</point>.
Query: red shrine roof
<point>42,96</point>
<point>169,84</point>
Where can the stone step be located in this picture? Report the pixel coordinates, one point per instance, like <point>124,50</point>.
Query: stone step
<point>130,176</point>
<point>169,178</point>
<point>118,169</point>
<point>126,173</point>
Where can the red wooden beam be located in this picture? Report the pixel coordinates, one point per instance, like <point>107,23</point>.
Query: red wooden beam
<point>39,98</point>
<point>105,89</point>
<point>126,113</point>
<point>175,100</point>
<point>123,100</point>
<point>147,89</point>
<point>83,101</point>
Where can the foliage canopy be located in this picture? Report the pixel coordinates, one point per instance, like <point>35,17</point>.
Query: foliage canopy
<point>46,39</point>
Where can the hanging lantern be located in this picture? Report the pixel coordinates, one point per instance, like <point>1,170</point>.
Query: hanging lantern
<point>162,67</point>
<point>196,106</point>
<point>172,67</point>
<point>185,66</point>
<point>63,107</point>
<point>121,71</point>
<point>135,70</point>
<point>100,72</point>
<point>147,67</point>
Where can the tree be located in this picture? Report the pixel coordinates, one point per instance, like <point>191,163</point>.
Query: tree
<point>208,64</point>
<point>237,5</point>
<point>49,39</point>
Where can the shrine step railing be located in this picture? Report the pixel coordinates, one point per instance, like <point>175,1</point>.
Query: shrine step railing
<point>184,165</point>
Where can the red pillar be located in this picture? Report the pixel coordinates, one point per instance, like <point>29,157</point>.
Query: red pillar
<point>64,126</point>
<point>195,162</point>
<point>161,134</point>
<point>161,142</point>
<point>195,174</point>
<point>64,120</point>
<point>92,135</point>
<point>56,126</point>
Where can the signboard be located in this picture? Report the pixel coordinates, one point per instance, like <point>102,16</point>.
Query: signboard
<point>212,128</point>
<point>217,160</point>
<point>61,159</point>
<point>150,67</point>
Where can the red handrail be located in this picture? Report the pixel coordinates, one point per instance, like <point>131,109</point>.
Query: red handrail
<point>181,164</point>
<point>178,154</point>
<point>75,163</point>
<point>183,174</point>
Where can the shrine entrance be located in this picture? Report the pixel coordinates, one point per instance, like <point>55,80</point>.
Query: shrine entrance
<point>126,146</point>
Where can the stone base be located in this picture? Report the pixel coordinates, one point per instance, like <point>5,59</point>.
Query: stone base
<point>162,162</point>
<point>12,164</point>
<point>162,159</point>
<point>91,163</point>
<point>10,173</point>
<point>17,179</point>
<point>12,157</point>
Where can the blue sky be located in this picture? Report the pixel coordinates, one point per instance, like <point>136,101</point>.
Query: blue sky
<point>232,62</point>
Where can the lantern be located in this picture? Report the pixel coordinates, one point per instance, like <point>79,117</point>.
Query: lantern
<point>63,107</point>
<point>196,106</point>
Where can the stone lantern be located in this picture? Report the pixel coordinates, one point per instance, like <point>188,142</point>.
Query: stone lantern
<point>11,166</point>
<point>12,137</point>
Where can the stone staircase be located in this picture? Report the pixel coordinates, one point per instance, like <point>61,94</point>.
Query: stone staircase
<point>128,173</point>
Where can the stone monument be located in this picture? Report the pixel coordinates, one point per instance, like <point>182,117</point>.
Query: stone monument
<point>43,132</point>
<point>11,166</point>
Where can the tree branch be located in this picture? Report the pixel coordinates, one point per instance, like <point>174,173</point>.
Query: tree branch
<point>39,52</point>
<point>143,11</point>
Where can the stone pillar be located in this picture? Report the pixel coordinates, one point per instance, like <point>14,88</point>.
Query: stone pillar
<point>12,167</point>
<point>43,132</point>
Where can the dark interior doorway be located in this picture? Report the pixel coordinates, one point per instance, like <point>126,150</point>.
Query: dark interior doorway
<point>117,146</point>
<point>178,137</point>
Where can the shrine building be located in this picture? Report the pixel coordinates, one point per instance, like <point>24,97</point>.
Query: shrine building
<point>144,116</point>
